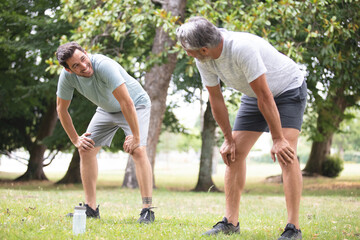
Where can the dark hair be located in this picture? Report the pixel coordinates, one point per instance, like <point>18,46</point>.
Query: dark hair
<point>198,32</point>
<point>65,51</point>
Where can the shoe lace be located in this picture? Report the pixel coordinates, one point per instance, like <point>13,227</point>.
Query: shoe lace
<point>220,224</point>
<point>145,211</point>
<point>289,231</point>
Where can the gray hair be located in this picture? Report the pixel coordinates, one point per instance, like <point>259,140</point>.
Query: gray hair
<point>198,32</point>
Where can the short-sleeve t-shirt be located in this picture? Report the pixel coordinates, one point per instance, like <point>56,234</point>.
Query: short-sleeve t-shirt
<point>108,75</point>
<point>244,58</point>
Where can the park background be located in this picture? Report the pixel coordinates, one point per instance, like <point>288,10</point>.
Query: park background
<point>39,168</point>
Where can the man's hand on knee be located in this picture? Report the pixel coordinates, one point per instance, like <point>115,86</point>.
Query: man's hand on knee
<point>84,142</point>
<point>131,144</point>
<point>283,152</point>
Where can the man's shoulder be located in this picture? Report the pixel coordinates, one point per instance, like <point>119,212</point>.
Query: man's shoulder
<point>241,44</point>
<point>65,75</point>
<point>100,61</point>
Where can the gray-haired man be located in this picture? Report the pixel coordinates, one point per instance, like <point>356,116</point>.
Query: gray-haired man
<point>122,103</point>
<point>274,99</point>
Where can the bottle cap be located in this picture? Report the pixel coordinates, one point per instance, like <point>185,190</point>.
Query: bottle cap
<point>80,208</point>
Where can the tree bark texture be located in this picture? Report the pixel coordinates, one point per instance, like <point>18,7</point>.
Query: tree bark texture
<point>157,80</point>
<point>35,169</point>
<point>73,173</point>
<point>205,182</point>
<point>327,116</point>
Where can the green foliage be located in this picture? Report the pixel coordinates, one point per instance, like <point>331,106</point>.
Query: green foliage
<point>186,79</point>
<point>122,30</point>
<point>332,166</point>
<point>81,111</point>
<point>27,37</point>
<point>181,142</point>
<point>348,137</point>
<point>170,121</point>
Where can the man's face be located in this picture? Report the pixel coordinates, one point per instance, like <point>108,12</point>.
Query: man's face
<point>80,64</point>
<point>198,54</point>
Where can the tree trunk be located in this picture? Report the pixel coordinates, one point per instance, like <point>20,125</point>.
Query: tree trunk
<point>330,117</point>
<point>319,151</point>
<point>35,169</point>
<point>157,79</point>
<point>130,180</point>
<point>205,182</point>
<point>73,173</point>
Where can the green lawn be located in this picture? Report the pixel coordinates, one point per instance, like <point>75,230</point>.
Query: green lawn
<point>330,208</point>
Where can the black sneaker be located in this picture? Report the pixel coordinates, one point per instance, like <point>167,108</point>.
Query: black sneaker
<point>146,216</point>
<point>290,233</point>
<point>90,213</point>
<point>223,227</point>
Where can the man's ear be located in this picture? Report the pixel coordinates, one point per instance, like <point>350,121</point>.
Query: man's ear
<point>68,70</point>
<point>204,51</point>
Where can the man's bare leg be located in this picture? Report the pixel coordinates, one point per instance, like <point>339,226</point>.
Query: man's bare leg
<point>144,175</point>
<point>235,174</point>
<point>89,174</point>
<point>292,180</point>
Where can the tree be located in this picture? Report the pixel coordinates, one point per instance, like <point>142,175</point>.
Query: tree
<point>157,79</point>
<point>334,54</point>
<point>205,182</point>
<point>27,105</point>
<point>187,78</point>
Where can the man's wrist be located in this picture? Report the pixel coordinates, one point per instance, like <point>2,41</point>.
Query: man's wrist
<point>228,136</point>
<point>277,138</point>
<point>74,140</point>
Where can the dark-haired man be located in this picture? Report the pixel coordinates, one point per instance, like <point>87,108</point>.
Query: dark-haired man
<point>122,103</point>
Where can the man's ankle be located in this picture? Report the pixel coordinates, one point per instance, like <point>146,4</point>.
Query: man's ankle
<point>233,221</point>
<point>93,206</point>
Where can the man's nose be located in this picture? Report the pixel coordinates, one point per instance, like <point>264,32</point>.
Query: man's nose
<point>83,65</point>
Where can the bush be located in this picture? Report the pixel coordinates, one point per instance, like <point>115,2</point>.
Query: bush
<point>332,166</point>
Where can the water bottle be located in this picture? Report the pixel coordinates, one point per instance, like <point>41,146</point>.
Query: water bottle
<point>79,219</point>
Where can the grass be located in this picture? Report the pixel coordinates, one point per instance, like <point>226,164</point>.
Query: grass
<point>330,208</point>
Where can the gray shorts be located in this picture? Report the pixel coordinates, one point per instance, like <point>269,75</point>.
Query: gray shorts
<point>291,105</point>
<point>104,125</point>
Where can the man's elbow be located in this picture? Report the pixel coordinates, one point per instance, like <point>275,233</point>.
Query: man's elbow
<point>127,105</point>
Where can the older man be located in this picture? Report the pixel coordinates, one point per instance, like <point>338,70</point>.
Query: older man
<point>274,99</point>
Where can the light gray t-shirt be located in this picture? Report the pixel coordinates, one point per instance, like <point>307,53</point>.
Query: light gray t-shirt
<point>244,58</point>
<point>108,75</point>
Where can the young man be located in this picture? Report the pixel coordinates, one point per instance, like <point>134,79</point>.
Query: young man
<point>121,101</point>
<point>274,99</point>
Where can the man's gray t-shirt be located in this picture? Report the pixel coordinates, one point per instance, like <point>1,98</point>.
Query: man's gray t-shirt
<point>108,75</point>
<point>244,58</point>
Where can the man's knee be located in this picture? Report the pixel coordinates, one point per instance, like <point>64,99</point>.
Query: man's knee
<point>290,168</point>
<point>140,154</point>
<point>84,154</point>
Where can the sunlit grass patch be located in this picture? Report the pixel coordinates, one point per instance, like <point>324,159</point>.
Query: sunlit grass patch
<point>330,208</point>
